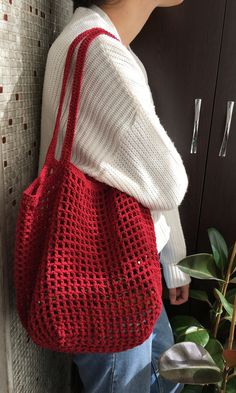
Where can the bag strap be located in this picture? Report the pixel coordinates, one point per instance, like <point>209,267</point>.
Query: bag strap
<point>86,37</point>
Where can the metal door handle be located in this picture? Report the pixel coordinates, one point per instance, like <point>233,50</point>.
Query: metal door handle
<point>230,109</point>
<point>198,102</point>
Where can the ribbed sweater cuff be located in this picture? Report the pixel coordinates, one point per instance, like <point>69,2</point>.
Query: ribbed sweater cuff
<point>174,277</point>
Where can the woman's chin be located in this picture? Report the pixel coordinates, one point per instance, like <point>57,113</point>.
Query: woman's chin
<point>169,3</point>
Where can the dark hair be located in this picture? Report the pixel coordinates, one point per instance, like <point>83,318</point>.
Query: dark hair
<point>88,3</point>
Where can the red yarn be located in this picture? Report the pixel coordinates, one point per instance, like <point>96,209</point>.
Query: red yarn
<point>86,267</point>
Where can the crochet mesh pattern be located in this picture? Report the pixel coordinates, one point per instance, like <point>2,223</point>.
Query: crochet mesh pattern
<point>86,267</point>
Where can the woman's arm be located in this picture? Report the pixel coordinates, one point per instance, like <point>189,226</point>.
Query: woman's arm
<point>120,140</point>
<point>174,251</point>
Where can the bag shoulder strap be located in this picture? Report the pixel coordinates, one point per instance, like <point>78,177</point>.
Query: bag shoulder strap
<point>86,38</point>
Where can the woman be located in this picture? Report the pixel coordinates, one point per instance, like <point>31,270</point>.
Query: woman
<point>121,142</point>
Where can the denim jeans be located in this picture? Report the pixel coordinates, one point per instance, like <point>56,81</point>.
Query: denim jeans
<point>130,371</point>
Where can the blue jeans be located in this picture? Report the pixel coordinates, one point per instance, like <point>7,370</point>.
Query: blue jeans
<point>130,371</point>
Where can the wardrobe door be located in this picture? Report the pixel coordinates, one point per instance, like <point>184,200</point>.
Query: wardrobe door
<point>219,198</point>
<point>180,48</point>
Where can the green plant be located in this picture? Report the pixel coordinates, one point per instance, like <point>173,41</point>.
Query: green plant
<point>200,359</point>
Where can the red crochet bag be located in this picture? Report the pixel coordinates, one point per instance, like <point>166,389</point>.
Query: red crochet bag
<point>86,268</point>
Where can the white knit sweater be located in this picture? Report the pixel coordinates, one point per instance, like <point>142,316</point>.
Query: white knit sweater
<point>119,140</point>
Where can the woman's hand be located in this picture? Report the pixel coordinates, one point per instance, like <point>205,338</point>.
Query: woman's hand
<point>179,295</point>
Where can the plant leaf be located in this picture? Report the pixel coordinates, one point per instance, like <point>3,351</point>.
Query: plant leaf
<point>227,306</point>
<point>202,266</point>
<point>199,295</point>
<point>215,349</point>
<point>230,387</point>
<point>189,363</point>
<point>230,295</point>
<point>187,328</point>
<point>230,357</point>
<point>219,249</point>
<point>233,375</point>
<point>198,335</point>
<point>228,318</point>
<point>233,270</point>
<point>180,323</point>
<point>192,389</point>
<point>234,265</point>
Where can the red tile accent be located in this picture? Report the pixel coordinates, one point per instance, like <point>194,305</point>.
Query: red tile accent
<point>5,17</point>
<point>10,122</point>
<point>1,89</point>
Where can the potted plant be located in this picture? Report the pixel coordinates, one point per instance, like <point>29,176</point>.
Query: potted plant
<point>201,358</point>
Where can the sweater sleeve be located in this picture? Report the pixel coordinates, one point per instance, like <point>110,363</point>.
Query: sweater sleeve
<point>127,147</point>
<point>174,251</point>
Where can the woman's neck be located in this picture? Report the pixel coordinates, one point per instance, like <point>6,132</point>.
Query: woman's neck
<point>129,17</point>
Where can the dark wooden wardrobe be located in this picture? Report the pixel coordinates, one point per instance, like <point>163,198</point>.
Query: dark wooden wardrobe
<point>189,52</point>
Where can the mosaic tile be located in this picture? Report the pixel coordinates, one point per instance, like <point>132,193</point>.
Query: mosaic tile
<point>27,29</point>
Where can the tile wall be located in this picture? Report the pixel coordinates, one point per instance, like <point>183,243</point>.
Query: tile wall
<point>27,29</point>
